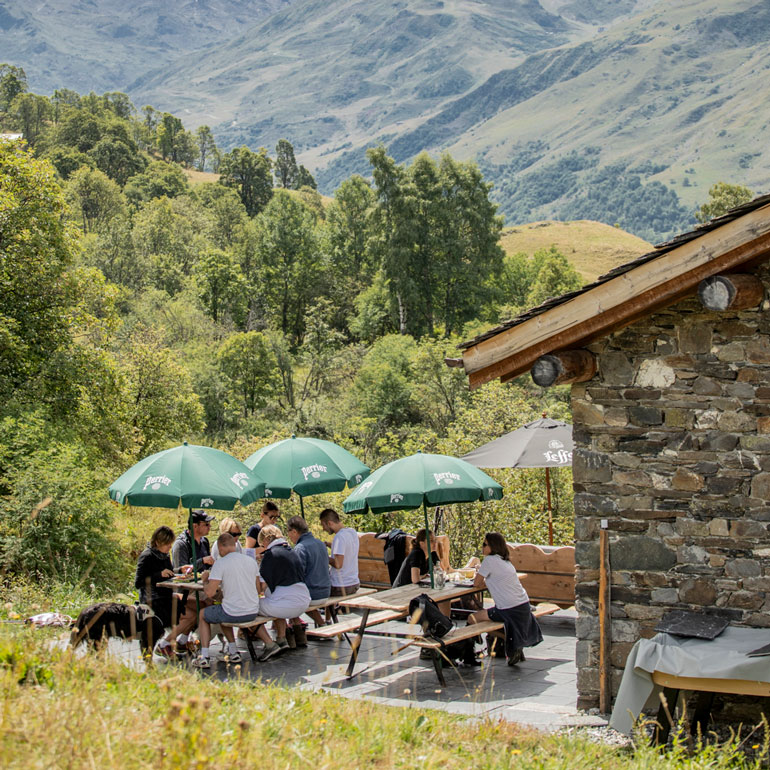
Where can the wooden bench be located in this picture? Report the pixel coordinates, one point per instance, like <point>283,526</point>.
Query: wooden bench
<point>550,572</point>
<point>260,620</point>
<point>331,602</point>
<point>353,623</point>
<point>414,633</point>
<point>372,570</point>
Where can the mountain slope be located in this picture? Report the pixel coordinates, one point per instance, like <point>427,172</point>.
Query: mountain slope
<point>330,75</point>
<point>103,45</point>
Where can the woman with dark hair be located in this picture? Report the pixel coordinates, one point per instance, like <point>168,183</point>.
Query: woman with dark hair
<point>153,566</point>
<point>415,566</point>
<point>512,607</point>
<point>270,514</point>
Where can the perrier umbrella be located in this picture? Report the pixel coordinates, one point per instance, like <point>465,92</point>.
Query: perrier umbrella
<point>307,466</point>
<point>191,476</point>
<point>422,480</point>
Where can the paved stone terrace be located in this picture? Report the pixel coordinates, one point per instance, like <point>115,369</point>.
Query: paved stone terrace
<point>541,691</point>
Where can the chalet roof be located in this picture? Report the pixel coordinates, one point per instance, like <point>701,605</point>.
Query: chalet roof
<point>495,353</point>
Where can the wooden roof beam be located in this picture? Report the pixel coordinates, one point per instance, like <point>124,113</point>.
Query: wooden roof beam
<point>621,300</point>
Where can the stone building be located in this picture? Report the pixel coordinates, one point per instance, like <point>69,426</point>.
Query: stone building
<point>669,360</point>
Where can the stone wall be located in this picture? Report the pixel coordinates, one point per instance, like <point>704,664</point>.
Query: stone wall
<point>672,447</point>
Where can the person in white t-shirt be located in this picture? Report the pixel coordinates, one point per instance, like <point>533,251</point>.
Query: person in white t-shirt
<point>343,561</point>
<point>512,607</point>
<point>238,577</point>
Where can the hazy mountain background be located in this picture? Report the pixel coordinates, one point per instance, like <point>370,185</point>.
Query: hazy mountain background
<point>622,111</point>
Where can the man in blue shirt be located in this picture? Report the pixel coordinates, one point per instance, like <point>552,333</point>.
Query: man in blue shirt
<point>314,558</point>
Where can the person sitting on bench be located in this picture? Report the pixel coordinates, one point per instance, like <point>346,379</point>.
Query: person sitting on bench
<point>314,559</point>
<point>286,595</point>
<point>237,575</point>
<point>512,607</point>
<point>415,566</point>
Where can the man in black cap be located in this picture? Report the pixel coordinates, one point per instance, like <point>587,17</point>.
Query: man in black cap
<point>181,553</point>
<point>181,556</point>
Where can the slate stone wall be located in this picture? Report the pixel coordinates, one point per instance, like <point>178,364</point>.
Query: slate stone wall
<point>672,447</point>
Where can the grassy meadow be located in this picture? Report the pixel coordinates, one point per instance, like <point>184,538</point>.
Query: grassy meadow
<point>592,248</point>
<point>64,711</point>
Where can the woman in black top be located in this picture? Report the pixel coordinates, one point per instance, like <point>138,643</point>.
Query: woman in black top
<point>270,514</point>
<point>286,595</point>
<point>153,566</point>
<point>415,566</point>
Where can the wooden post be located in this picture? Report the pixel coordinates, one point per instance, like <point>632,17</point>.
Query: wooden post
<point>548,502</point>
<point>736,291</point>
<point>565,367</point>
<point>605,629</point>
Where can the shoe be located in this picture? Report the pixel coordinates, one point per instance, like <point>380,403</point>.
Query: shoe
<point>290,640</point>
<point>233,657</point>
<point>201,662</point>
<point>517,657</point>
<point>167,652</point>
<point>283,643</point>
<point>270,652</point>
<point>188,648</point>
<point>299,636</point>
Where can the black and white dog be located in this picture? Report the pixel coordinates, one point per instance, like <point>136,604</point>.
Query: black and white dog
<point>121,620</point>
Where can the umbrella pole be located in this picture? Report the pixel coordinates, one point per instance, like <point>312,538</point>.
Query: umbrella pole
<point>427,537</point>
<point>194,563</point>
<point>301,507</point>
<point>548,499</point>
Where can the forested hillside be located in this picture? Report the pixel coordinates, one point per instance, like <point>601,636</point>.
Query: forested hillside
<point>138,311</point>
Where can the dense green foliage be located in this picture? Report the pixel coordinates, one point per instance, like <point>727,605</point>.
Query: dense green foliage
<point>576,186</point>
<point>137,311</point>
<point>722,198</point>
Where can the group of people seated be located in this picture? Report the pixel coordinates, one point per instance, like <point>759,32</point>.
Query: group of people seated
<point>269,577</point>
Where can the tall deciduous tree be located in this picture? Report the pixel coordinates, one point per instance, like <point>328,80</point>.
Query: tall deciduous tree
<point>249,174</point>
<point>220,284</point>
<point>291,270</point>
<point>248,362</point>
<point>95,197</point>
<point>31,112</point>
<point>436,235</point>
<point>36,250</point>
<point>285,167</point>
<point>13,81</point>
<point>722,198</point>
<point>207,147</point>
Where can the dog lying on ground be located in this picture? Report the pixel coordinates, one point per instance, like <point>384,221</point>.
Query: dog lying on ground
<point>121,620</point>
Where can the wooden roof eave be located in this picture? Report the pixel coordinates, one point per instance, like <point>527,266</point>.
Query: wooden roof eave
<point>620,301</point>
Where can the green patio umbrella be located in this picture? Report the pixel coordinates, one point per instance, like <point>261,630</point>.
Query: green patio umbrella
<point>422,479</point>
<point>188,475</point>
<point>307,466</point>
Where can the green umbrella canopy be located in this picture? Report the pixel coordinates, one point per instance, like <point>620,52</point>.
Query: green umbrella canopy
<point>307,466</point>
<point>195,476</point>
<point>422,479</point>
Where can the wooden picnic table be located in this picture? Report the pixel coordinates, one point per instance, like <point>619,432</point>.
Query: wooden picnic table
<point>397,600</point>
<point>181,585</point>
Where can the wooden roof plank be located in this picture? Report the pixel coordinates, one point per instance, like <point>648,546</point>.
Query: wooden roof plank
<point>617,315</point>
<point>727,247</point>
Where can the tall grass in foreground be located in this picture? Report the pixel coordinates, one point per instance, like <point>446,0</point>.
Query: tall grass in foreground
<point>59,711</point>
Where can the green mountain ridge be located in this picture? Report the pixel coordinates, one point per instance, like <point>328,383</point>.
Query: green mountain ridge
<point>104,45</point>
<point>621,110</point>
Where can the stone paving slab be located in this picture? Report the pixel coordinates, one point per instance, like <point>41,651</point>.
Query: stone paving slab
<point>541,691</point>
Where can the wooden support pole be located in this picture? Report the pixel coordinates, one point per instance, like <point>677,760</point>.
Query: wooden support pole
<point>734,291</point>
<point>562,368</point>
<point>605,628</point>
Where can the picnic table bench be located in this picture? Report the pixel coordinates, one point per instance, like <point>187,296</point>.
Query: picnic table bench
<point>396,600</point>
<point>414,633</point>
